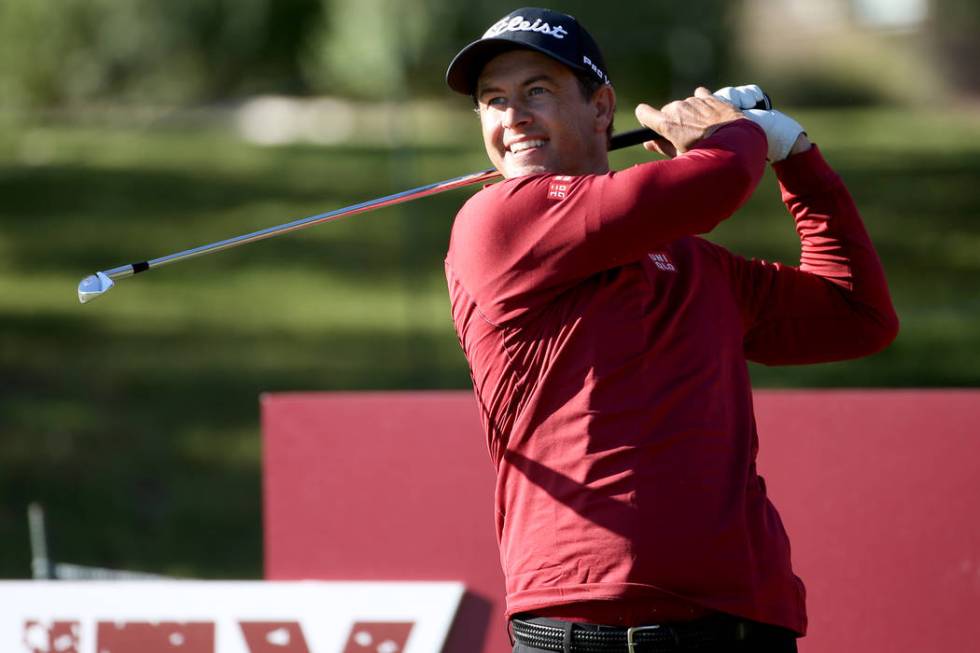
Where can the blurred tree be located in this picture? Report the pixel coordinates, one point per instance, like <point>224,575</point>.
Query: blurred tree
<point>64,52</point>
<point>658,49</point>
<point>372,48</point>
<point>953,33</point>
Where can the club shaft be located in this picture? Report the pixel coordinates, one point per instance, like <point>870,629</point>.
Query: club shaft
<point>389,200</point>
<point>617,142</point>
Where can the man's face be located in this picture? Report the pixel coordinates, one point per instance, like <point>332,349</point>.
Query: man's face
<point>535,119</point>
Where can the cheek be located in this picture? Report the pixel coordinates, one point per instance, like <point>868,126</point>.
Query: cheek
<point>491,131</point>
<point>582,125</point>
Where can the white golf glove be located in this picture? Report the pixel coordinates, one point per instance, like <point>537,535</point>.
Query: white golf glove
<point>781,130</point>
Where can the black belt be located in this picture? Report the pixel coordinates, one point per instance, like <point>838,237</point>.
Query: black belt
<point>702,634</point>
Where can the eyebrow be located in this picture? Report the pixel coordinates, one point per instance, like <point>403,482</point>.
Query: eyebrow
<point>530,80</point>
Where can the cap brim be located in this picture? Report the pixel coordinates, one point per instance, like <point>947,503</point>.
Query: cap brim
<point>464,70</point>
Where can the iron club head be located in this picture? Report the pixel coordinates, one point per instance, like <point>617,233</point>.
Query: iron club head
<point>93,286</point>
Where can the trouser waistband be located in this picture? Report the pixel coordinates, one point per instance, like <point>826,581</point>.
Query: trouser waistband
<point>706,634</point>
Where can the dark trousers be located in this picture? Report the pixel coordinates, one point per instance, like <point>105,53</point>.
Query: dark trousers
<point>741,637</point>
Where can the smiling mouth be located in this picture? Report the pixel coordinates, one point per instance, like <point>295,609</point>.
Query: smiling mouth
<point>523,146</point>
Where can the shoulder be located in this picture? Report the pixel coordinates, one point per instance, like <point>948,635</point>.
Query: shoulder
<point>531,189</point>
<point>703,252</point>
<point>516,202</point>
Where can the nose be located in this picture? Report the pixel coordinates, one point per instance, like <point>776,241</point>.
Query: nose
<point>515,115</point>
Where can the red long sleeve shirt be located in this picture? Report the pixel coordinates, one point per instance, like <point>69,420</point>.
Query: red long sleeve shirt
<point>607,346</point>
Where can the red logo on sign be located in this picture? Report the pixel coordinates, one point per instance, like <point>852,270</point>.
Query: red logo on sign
<point>159,637</point>
<point>199,637</point>
<point>274,637</point>
<point>60,636</point>
<point>378,637</point>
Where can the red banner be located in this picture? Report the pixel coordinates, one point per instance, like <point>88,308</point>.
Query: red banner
<point>879,490</point>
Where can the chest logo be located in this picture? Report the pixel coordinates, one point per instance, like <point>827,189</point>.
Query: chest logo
<point>663,262</point>
<point>559,188</point>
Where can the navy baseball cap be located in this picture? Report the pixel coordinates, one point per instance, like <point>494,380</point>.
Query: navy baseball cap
<point>552,33</point>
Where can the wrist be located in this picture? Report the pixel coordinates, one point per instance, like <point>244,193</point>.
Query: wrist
<point>801,145</point>
<point>715,127</point>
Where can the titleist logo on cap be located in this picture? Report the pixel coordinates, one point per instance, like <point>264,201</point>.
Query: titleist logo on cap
<point>518,24</point>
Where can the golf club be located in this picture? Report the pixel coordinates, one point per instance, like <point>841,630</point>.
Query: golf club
<point>95,285</point>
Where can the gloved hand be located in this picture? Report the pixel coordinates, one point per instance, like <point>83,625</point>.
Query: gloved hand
<point>744,97</point>
<point>781,130</point>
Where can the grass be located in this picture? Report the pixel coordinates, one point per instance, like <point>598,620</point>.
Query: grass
<point>134,420</point>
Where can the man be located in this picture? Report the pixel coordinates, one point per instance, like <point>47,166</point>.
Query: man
<point>607,346</point>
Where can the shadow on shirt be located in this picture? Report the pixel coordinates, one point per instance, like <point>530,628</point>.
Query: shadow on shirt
<point>592,504</point>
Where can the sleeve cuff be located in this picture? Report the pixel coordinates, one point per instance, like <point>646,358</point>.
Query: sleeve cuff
<point>805,172</point>
<point>730,132</point>
<point>741,123</point>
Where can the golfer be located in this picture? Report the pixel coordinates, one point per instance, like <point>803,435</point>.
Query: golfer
<point>607,345</point>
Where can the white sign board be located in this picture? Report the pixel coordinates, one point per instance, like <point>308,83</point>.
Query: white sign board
<point>226,617</point>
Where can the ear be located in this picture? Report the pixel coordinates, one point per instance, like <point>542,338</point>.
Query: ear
<point>604,103</point>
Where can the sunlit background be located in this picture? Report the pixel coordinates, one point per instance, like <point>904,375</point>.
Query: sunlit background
<point>131,129</point>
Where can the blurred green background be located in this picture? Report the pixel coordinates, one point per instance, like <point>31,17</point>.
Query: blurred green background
<point>131,129</point>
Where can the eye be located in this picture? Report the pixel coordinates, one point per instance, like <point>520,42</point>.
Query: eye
<point>537,90</point>
<point>496,101</point>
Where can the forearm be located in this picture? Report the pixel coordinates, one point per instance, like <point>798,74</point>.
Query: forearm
<point>837,304</point>
<point>647,206</point>
<point>834,244</point>
<point>801,145</point>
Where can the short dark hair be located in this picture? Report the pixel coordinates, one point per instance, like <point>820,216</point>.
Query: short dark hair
<point>589,85</point>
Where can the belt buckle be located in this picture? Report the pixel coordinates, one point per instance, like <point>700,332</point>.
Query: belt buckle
<point>630,632</point>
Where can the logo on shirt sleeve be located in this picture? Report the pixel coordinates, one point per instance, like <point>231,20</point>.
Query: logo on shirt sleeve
<point>559,188</point>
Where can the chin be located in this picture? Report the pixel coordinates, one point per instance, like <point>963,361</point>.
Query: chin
<point>525,170</point>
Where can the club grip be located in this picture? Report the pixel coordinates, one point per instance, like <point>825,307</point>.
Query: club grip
<point>637,136</point>
<point>630,138</point>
